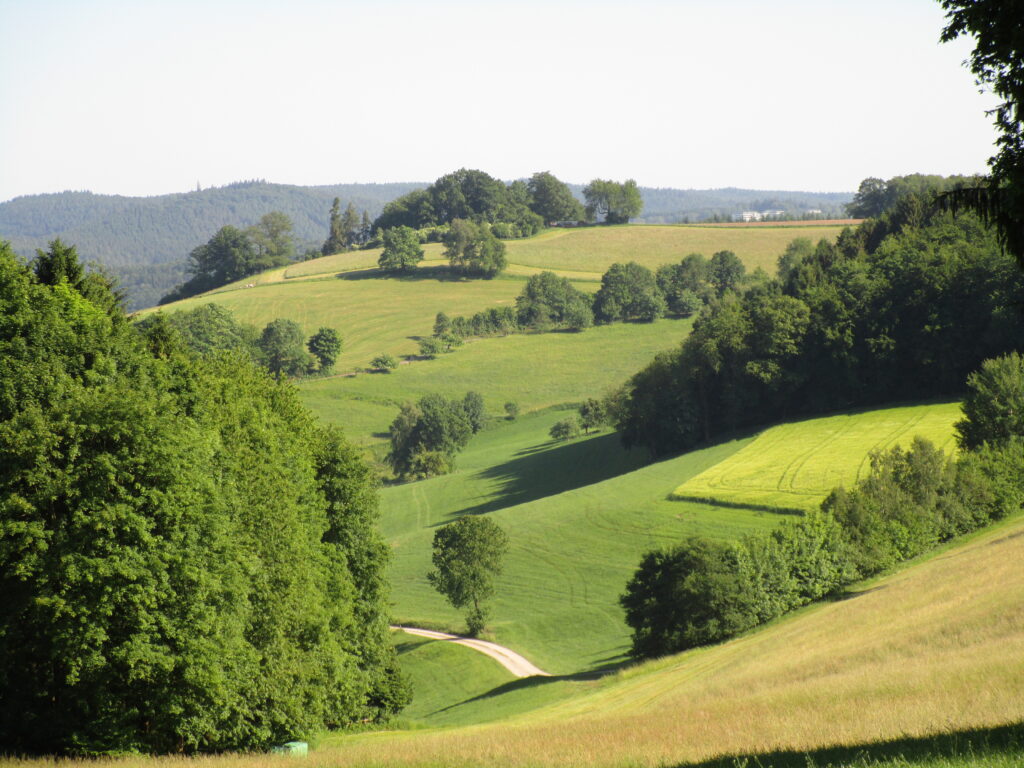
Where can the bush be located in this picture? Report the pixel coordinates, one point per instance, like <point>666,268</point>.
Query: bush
<point>994,406</point>
<point>385,363</point>
<point>431,347</point>
<point>566,429</point>
<point>511,410</point>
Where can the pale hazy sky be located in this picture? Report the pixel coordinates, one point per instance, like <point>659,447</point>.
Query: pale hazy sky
<point>143,97</point>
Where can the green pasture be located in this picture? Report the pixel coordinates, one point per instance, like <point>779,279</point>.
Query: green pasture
<point>579,515</point>
<point>795,465</point>
<point>373,314</point>
<point>535,370</point>
<point>594,249</point>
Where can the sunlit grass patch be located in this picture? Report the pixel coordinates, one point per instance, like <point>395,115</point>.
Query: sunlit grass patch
<point>795,465</point>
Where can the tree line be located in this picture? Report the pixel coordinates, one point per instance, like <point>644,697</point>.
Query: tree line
<point>902,307</point>
<point>189,562</point>
<point>281,346</point>
<point>628,292</point>
<point>703,591</point>
<point>518,209</point>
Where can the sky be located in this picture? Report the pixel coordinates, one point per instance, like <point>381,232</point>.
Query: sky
<point>147,97</point>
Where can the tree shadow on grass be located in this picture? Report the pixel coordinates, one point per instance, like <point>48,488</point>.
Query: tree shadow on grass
<point>439,272</point>
<point>552,468</point>
<point>524,683</point>
<point>973,744</point>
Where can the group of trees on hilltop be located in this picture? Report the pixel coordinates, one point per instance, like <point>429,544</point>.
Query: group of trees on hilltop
<point>902,307</point>
<point>518,209</point>
<point>232,254</point>
<point>189,561</point>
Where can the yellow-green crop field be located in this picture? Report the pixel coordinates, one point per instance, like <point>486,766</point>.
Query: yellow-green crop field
<point>795,465</point>
<point>594,249</point>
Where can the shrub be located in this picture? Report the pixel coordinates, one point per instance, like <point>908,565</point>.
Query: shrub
<point>384,363</point>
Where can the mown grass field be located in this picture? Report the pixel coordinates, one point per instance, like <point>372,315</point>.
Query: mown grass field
<point>535,370</point>
<point>594,249</point>
<point>795,465</point>
<point>579,516</point>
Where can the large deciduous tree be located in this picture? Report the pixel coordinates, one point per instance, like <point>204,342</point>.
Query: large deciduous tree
<point>188,562</point>
<point>402,250</point>
<point>994,406</point>
<point>467,557</point>
<point>552,199</point>
<point>612,202</point>
<point>997,62</point>
<point>472,249</point>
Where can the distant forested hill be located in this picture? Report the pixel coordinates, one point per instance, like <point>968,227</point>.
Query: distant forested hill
<point>145,241</point>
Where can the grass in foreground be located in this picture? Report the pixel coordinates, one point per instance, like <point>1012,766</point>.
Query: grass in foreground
<point>919,658</point>
<point>795,465</point>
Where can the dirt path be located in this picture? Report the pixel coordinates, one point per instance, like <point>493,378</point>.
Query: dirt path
<point>509,659</point>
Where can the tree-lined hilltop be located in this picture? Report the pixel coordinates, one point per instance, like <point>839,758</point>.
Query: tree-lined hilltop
<point>145,241</point>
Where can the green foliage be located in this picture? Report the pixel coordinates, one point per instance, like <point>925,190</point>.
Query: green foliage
<point>325,345</point>
<point>228,256</point>
<point>566,429</point>
<point>685,285</point>
<point>852,325</point>
<point>994,405</point>
<point>552,199</point>
<point>592,414</point>
<point>425,437</point>
<point>912,500</point>
<point>725,272</point>
<point>549,301</point>
<point>282,348</point>
<point>431,347</point>
<point>209,329</point>
<point>189,562</point>
<point>473,405</point>
<point>613,202</point>
<point>401,250</point>
<point>997,63</point>
<point>467,556</point>
<point>472,249</point>
<point>272,238</point>
<point>628,292</point>
<point>511,410</point>
<point>384,362</point>
<point>465,194</point>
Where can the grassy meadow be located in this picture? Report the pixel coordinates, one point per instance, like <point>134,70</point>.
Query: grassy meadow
<point>535,370</point>
<point>594,249</point>
<point>795,465</point>
<point>579,516</point>
<point>927,651</point>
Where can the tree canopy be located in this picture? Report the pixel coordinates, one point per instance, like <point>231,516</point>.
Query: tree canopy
<point>612,202</point>
<point>552,199</point>
<point>472,249</point>
<point>189,562</point>
<point>997,63</point>
<point>402,250</point>
<point>467,557</point>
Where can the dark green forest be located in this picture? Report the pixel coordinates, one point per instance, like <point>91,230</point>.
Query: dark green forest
<point>902,307</point>
<point>189,561</point>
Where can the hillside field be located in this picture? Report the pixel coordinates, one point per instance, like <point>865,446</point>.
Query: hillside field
<point>579,516</point>
<point>795,465</point>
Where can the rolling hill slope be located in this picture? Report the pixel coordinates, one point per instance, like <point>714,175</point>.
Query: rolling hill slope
<point>900,666</point>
